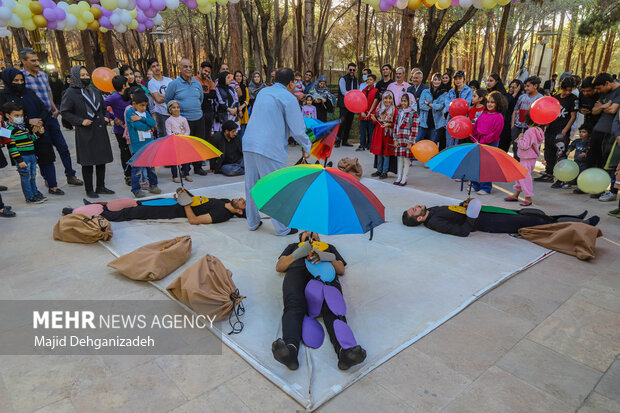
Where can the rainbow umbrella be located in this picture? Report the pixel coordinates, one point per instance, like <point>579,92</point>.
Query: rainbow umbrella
<point>174,150</point>
<point>477,162</point>
<point>323,200</point>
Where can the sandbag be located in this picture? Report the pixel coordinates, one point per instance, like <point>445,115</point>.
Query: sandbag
<point>154,261</point>
<point>208,289</point>
<point>351,166</point>
<point>83,229</point>
<point>572,238</point>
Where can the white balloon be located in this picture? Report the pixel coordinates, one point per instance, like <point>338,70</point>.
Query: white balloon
<point>233,1</point>
<point>121,28</point>
<point>63,5</point>
<point>131,4</point>
<point>123,4</point>
<point>61,25</point>
<point>5,14</point>
<point>402,4</point>
<point>9,4</point>
<point>115,19</point>
<point>172,4</point>
<point>477,3</point>
<point>125,18</point>
<point>465,3</point>
<point>157,19</point>
<point>15,21</point>
<point>71,21</point>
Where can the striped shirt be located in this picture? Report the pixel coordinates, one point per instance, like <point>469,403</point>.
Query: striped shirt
<point>22,142</point>
<point>41,86</point>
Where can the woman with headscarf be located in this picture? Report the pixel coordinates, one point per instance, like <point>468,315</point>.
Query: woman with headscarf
<point>244,100</point>
<point>495,84</point>
<point>323,99</point>
<point>83,107</point>
<point>256,85</point>
<point>226,102</point>
<point>382,144</point>
<point>35,115</point>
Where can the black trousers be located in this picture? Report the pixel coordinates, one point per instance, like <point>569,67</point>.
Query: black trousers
<point>346,120</point>
<point>1,203</point>
<point>551,150</point>
<point>197,129</point>
<point>596,155</point>
<point>125,153</point>
<point>293,293</point>
<point>144,212</point>
<point>87,175</point>
<point>510,224</point>
<point>208,117</point>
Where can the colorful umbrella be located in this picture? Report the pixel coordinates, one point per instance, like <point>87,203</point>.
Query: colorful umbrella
<point>477,162</point>
<point>174,150</point>
<point>323,136</point>
<point>323,200</point>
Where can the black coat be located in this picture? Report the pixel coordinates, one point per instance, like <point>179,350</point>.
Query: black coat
<point>92,143</point>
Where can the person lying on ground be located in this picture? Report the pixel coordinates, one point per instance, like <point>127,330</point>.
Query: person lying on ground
<point>197,210</point>
<point>293,263</point>
<point>471,216</point>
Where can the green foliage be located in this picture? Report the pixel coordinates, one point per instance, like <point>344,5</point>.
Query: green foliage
<point>606,15</point>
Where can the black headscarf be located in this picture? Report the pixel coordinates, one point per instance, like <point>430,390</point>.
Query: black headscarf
<point>33,106</point>
<point>499,85</point>
<point>224,89</point>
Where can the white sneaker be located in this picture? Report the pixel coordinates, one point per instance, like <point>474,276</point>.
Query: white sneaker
<point>608,197</point>
<point>483,192</point>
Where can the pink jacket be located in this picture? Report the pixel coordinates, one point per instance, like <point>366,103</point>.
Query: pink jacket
<point>529,144</point>
<point>488,127</point>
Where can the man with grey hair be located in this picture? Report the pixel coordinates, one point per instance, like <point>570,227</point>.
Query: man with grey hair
<point>187,91</point>
<point>417,87</point>
<point>37,80</point>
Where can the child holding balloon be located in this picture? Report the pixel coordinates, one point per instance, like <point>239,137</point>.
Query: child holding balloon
<point>405,132</point>
<point>382,144</point>
<point>528,150</point>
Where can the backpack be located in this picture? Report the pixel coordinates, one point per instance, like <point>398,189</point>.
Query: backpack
<point>82,229</point>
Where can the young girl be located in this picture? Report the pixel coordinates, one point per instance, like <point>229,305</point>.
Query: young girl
<point>308,110</point>
<point>382,144</point>
<point>405,132</point>
<point>177,125</point>
<point>528,150</point>
<point>478,104</point>
<point>487,130</point>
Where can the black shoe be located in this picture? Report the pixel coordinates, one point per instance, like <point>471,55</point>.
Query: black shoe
<point>128,180</point>
<point>200,172</point>
<point>105,191</point>
<point>542,178</point>
<point>56,191</point>
<point>285,354</point>
<point>3,188</point>
<point>583,214</point>
<point>67,211</point>
<point>596,196</point>
<point>92,194</point>
<point>346,144</point>
<point>350,357</point>
<point>375,174</point>
<point>293,231</point>
<point>337,144</point>
<point>360,149</point>
<point>86,201</point>
<point>383,176</point>
<point>7,213</point>
<point>578,191</point>
<point>329,164</point>
<point>593,220</point>
<point>557,185</point>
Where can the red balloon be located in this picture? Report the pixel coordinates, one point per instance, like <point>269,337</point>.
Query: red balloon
<point>460,127</point>
<point>355,101</point>
<point>545,110</point>
<point>458,107</point>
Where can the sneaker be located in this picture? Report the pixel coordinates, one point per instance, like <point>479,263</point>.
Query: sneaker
<point>614,213</point>
<point>3,188</point>
<point>188,178</point>
<point>154,190</point>
<point>360,149</point>
<point>557,185</point>
<point>483,192</point>
<point>375,174</point>
<point>578,191</point>
<point>608,197</point>
<point>384,175</point>
<point>92,194</point>
<point>176,180</point>
<point>128,180</point>
<point>566,186</point>
<point>56,191</point>
<point>6,212</point>
<point>75,181</point>
<point>105,191</point>
<point>139,194</point>
<point>38,199</point>
<point>596,196</point>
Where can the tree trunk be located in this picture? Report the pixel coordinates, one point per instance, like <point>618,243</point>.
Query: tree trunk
<point>65,63</point>
<point>474,61</point>
<point>608,52</point>
<point>484,45</point>
<point>557,43</point>
<point>571,43</point>
<point>501,38</point>
<point>109,57</point>
<point>593,54</point>
<point>404,51</point>
<point>7,52</point>
<point>299,34</point>
<point>309,38</point>
<point>234,28</point>
<point>87,47</point>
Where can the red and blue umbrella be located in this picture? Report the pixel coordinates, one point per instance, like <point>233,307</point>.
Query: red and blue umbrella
<point>323,200</point>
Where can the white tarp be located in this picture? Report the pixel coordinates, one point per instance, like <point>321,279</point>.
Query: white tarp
<point>398,287</point>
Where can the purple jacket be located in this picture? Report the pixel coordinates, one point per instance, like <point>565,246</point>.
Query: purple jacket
<point>118,105</point>
<point>488,127</point>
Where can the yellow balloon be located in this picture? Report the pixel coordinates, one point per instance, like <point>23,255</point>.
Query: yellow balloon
<point>429,3</point>
<point>503,2</point>
<point>96,11</point>
<point>222,2</point>
<point>81,25</point>
<point>202,3</point>
<point>75,10</point>
<point>102,29</point>
<point>413,4</point>
<point>443,4</point>
<point>35,7</point>
<point>109,4</point>
<point>83,5</point>
<point>489,4</point>
<point>39,21</point>
<point>206,9</point>
<point>23,13</point>
<point>94,25</point>
<point>133,13</point>
<point>24,2</point>
<point>29,25</point>
<point>133,25</point>
<point>88,17</point>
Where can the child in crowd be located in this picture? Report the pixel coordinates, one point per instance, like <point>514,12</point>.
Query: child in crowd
<point>117,103</point>
<point>522,107</point>
<point>308,110</point>
<point>21,150</point>
<point>382,144</point>
<point>405,132</point>
<point>528,145</point>
<point>478,104</point>
<point>488,128</point>
<point>581,147</point>
<point>177,125</point>
<point>299,84</point>
<point>140,126</point>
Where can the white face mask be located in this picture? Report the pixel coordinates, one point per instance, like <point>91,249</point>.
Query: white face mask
<point>365,77</point>
<point>18,121</point>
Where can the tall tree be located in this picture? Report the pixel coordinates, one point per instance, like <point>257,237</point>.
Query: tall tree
<point>501,40</point>
<point>65,63</point>
<point>234,28</point>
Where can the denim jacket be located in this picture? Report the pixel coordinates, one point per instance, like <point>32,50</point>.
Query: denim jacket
<point>438,109</point>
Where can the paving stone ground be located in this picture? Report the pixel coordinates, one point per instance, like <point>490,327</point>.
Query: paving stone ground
<point>547,340</point>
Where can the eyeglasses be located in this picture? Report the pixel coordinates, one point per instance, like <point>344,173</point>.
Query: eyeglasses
<point>352,70</point>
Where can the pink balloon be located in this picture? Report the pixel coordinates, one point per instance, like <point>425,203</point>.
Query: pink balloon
<point>454,3</point>
<point>150,13</point>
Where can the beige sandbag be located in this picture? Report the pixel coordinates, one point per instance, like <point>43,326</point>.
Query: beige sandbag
<point>351,166</point>
<point>82,229</point>
<point>572,238</point>
<point>207,288</point>
<point>154,261</point>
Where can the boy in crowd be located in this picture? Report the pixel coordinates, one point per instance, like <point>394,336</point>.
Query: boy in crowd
<point>581,147</point>
<point>524,102</point>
